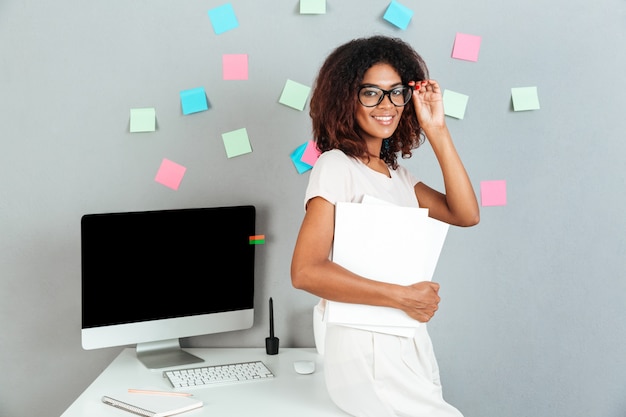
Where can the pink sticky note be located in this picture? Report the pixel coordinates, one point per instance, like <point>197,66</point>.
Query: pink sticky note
<point>311,153</point>
<point>466,47</point>
<point>170,174</point>
<point>235,66</point>
<point>493,193</point>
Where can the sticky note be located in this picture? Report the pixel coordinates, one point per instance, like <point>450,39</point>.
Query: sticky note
<point>398,14</point>
<point>223,18</point>
<point>493,193</point>
<point>235,66</point>
<point>193,100</point>
<point>236,142</point>
<point>257,240</point>
<point>170,174</point>
<point>312,6</point>
<point>525,98</point>
<point>294,95</point>
<point>466,47</point>
<point>454,104</point>
<point>296,158</point>
<point>143,120</point>
<point>311,153</point>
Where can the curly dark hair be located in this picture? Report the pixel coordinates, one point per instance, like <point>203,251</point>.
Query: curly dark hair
<point>334,99</point>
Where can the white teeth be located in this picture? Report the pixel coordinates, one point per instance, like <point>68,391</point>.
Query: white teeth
<point>383,119</point>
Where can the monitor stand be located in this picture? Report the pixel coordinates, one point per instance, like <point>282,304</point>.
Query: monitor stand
<point>164,353</point>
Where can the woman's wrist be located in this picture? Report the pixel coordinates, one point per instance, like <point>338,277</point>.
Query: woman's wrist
<point>434,130</point>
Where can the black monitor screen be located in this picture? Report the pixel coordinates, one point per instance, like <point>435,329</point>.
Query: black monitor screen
<point>151,265</point>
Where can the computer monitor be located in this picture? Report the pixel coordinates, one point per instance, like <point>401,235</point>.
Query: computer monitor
<point>150,278</point>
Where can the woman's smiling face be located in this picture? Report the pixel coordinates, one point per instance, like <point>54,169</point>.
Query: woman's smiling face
<point>380,121</point>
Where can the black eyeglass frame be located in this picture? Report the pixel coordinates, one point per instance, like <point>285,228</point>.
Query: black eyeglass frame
<point>407,90</point>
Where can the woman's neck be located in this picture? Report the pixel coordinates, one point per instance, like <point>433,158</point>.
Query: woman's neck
<point>373,147</point>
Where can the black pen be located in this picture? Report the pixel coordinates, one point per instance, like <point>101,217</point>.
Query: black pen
<point>271,343</point>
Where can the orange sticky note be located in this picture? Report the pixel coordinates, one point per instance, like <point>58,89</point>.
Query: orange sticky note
<point>257,239</point>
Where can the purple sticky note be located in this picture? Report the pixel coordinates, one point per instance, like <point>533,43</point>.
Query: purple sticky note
<point>235,66</point>
<point>466,47</point>
<point>311,153</point>
<point>493,193</point>
<point>170,174</point>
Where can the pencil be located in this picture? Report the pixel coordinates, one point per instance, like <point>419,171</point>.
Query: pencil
<point>146,391</point>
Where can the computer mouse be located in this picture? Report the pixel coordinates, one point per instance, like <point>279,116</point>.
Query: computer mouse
<point>304,367</point>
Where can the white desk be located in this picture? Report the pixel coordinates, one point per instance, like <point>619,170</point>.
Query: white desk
<point>287,394</point>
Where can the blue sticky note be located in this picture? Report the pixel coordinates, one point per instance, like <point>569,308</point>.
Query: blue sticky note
<point>398,14</point>
<point>223,18</point>
<point>296,157</point>
<point>193,100</point>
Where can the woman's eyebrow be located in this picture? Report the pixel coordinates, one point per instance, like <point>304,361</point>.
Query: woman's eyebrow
<point>398,84</point>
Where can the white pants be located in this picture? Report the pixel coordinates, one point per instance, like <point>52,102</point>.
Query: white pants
<point>372,374</point>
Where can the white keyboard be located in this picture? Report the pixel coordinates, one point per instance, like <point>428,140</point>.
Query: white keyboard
<point>218,374</point>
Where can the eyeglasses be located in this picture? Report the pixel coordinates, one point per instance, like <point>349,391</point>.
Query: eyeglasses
<point>371,96</point>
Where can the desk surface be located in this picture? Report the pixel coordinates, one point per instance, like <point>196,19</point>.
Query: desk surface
<point>287,394</point>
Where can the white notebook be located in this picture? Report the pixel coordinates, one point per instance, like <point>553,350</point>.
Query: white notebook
<point>152,405</point>
<point>387,243</point>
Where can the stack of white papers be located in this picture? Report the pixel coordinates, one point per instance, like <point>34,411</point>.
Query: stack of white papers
<point>387,243</point>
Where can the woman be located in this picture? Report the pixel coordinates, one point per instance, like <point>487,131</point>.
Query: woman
<point>372,101</point>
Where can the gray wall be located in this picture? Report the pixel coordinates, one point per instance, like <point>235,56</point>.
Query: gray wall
<point>532,317</point>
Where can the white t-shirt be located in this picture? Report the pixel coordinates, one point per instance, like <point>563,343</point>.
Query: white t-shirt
<point>338,177</point>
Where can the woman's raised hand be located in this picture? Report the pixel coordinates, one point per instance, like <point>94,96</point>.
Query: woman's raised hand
<point>428,102</point>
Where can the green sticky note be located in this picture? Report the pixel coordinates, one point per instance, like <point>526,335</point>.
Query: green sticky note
<point>236,142</point>
<point>294,95</point>
<point>312,6</point>
<point>454,104</point>
<point>143,120</point>
<point>525,98</point>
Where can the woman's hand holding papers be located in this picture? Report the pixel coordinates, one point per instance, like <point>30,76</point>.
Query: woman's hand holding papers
<point>421,300</point>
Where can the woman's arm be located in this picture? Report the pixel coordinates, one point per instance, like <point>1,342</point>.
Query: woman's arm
<point>314,272</point>
<point>458,206</point>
